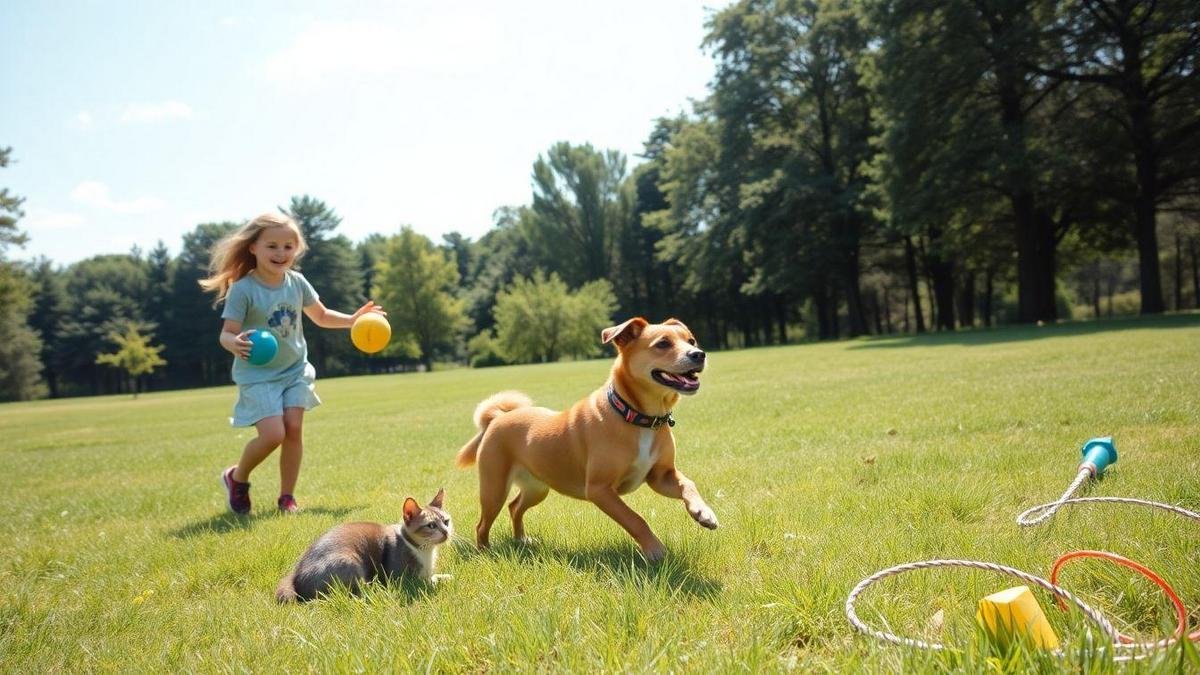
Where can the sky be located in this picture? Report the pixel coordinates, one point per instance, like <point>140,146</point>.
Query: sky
<point>132,122</point>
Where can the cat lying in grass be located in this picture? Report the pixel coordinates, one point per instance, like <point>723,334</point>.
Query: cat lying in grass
<point>353,554</point>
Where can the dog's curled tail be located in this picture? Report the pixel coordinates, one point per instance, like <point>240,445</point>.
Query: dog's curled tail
<point>286,591</point>
<point>487,410</point>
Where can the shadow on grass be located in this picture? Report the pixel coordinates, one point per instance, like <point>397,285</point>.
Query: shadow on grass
<point>675,574</point>
<point>991,336</point>
<point>382,591</point>
<point>229,522</point>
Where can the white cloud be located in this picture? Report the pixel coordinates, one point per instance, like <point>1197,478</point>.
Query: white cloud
<point>95,194</point>
<point>140,113</point>
<point>442,43</point>
<point>230,22</point>
<point>38,220</point>
<point>83,120</point>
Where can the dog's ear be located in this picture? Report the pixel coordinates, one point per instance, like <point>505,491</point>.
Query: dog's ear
<point>411,509</point>
<point>624,332</point>
<point>436,502</point>
<point>676,322</point>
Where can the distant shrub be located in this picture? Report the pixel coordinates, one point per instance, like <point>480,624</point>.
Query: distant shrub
<point>484,352</point>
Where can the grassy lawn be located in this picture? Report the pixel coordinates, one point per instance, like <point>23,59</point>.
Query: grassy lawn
<point>824,463</point>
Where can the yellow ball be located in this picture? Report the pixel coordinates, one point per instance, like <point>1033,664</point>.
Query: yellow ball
<point>370,332</point>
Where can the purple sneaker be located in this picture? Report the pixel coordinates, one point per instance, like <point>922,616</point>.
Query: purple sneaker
<point>239,492</point>
<point>287,504</point>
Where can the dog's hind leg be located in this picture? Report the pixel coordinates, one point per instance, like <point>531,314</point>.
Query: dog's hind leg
<point>494,481</point>
<point>532,493</point>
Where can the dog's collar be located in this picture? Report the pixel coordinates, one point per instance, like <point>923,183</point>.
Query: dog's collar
<point>635,417</point>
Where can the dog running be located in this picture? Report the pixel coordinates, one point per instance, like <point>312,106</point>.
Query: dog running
<point>600,448</point>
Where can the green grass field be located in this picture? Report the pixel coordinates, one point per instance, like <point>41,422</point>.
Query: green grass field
<point>824,462</point>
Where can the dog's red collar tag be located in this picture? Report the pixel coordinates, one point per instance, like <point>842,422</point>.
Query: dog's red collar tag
<point>635,417</point>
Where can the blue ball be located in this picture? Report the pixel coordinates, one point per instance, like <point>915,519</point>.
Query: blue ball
<point>263,347</point>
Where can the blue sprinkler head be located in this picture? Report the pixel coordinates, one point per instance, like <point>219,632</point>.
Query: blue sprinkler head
<point>1098,453</point>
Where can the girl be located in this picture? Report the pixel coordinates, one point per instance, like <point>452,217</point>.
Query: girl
<point>251,271</point>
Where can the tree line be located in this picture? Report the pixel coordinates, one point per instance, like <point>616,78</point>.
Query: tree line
<point>857,167</point>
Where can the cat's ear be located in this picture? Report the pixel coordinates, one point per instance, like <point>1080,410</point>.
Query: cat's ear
<point>436,502</point>
<point>411,508</point>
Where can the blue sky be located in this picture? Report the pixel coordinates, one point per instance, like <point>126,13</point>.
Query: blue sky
<point>132,122</point>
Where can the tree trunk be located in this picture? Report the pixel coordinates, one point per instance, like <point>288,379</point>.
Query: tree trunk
<point>1195,273</point>
<point>941,273</point>
<point>1033,230</point>
<point>834,302</point>
<point>1139,108</point>
<point>1178,271</point>
<point>856,317</point>
<point>966,300</point>
<point>887,309</point>
<point>821,303</point>
<point>781,318</point>
<point>914,291</point>
<point>876,311</point>
<point>989,292</point>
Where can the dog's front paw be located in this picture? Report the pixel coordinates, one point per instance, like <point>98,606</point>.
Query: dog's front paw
<point>654,551</point>
<point>440,578</point>
<point>705,516</point>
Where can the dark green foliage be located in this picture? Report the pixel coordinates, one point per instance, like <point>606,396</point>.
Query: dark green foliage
<point>580,205</point>
<point>50,305</point>
<point>334,269</point>
<point>417,282</point>
<point>20,345</point>
<point>193,355</point>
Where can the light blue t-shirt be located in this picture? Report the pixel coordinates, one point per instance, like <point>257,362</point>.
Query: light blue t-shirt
<point>277,309</point>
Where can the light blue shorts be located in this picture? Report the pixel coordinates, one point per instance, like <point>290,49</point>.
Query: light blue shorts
<point>268,399</point>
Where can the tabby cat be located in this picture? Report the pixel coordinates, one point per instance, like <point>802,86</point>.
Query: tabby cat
<point>353,554</point>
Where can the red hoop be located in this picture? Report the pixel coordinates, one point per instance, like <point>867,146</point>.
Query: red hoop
<point>1180,611</point>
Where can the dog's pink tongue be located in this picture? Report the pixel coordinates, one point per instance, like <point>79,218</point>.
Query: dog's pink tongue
<point>683,379</point>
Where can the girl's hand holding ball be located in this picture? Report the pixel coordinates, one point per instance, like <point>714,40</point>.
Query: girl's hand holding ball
<point>370,331</point>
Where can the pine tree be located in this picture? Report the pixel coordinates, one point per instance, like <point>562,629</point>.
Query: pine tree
<point>20,346</point>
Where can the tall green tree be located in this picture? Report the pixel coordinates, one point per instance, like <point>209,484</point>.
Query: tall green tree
<point>50,305</point>
<point>135,356</point>
<point>19,345</point>
<point>796,125</point>
<point>699,232</point>
<point>1145,54</point>
<point>334,269</point>
<point>416,285</point>
<point>540,319</point>
<point>459,248</point>
<point>647,286</point>
<point>580,204</point>
<point>105,292</point>
<point>498,257</point>
<point>193,354</point>
<point>967,124</point>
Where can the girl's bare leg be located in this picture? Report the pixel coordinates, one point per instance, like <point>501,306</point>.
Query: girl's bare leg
<point>270,435</point>
<point>293,450</point>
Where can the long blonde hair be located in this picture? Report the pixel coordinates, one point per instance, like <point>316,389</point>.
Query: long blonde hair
<point>231,258</point>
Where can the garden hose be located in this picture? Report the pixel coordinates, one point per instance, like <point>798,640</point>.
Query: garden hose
<point>1098,454</point>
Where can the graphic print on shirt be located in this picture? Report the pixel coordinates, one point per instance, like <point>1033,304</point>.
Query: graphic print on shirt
<point>284,321</point>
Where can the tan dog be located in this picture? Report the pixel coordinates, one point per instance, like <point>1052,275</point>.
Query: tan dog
<point>604,446</point>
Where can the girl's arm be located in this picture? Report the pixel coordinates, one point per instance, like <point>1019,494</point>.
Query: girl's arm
<point>329,318</point>
<point>233,339</point>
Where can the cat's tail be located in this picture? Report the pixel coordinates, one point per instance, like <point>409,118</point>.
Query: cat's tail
<point>487,410</point>
<point>286,592</point>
